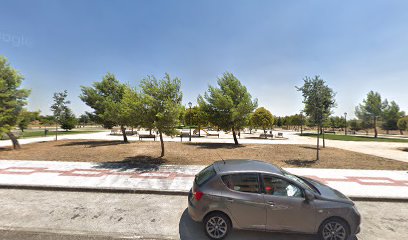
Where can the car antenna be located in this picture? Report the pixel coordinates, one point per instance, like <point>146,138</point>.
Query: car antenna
<point>221,158</point>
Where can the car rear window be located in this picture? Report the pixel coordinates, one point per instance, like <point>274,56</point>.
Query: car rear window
<point>205,175</point>
<point>242,182</point>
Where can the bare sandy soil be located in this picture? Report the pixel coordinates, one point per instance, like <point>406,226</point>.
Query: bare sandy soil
<point>196,154</point>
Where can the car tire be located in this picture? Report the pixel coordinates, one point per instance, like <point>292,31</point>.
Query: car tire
<point>217,225</point>
<point>334,228</point>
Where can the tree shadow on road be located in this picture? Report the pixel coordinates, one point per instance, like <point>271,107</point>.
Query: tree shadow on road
<point>188,229</point>
<point>215,145</point>
<point>91,144</point>
<point>137,163</point>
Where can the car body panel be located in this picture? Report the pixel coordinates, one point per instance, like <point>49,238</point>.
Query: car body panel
<point>253,210</point>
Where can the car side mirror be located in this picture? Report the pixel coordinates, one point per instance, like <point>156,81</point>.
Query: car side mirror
<point>309,196</point>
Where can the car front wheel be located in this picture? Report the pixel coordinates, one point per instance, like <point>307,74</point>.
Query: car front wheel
<point>217,225</point>
<point>334,229</point>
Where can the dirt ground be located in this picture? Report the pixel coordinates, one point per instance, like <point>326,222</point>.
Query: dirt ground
<point>196,153</point>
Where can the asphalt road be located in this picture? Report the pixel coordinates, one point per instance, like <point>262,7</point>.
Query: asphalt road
<point>31,214</point>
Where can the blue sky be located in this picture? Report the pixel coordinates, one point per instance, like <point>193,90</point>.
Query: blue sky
<point>356,46</point>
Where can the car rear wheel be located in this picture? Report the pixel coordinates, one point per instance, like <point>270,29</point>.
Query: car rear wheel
<point>217,225</point>
<point>334,229</point>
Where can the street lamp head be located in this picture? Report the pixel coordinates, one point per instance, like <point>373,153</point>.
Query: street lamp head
<point>345,114</point>
<point>190,104</point>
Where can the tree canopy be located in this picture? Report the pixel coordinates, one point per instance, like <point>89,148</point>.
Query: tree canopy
<point>229,105</point>
<point>262,118</point>
<point>161,105</point>
<point>12,99</point>
<point>105,98</point>
<point>371,109</point>
<point>60,110</point>
<point>319,101</point>
<point>390,116</point>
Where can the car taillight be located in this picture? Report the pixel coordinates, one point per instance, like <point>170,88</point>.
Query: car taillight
<point>198,195</point>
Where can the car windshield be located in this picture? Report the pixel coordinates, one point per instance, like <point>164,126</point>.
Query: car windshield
<point>300,181</point>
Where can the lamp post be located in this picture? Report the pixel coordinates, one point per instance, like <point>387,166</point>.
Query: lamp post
<point>189,105</point>
<point>345,123</point>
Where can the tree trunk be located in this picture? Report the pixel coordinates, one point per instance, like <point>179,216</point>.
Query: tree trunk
<point>56,132</point>
<point>125,140</point>
<point>14,140</point>
<point>199,130</point>
<point>324,142</point>
<point>235,136</point>
<point>402,133</point>
<point>162,144</point>
<point>317,147</point>
<point>375,127</point>
<point>301,130</point>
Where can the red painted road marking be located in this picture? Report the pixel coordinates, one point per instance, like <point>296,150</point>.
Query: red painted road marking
<point>93,173</point>
<point>166,175</point>
<point>375,181</point>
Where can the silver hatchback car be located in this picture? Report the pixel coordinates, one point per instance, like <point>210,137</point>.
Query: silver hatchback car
<point>254,195</point>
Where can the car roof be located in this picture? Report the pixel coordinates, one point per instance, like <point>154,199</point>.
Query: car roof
<point>245,165</point>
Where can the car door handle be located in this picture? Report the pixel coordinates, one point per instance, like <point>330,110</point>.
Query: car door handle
<point>230,200</point>
<point>270,203</point>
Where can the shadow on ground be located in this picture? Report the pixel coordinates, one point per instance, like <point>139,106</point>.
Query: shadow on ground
<point>137,163</point>
<point>301,163</point>
<point>215,145</point>
<point>188,229</point>
<point>402,149</point>
<point>91,144</point>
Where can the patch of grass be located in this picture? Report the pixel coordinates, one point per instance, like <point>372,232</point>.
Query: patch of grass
<point>356,138</point>
<point>31,134</point>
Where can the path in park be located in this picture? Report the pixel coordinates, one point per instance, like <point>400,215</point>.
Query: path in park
<point>178,179</point>
<point>390,150</point>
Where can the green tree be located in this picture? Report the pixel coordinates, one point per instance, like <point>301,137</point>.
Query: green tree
<point>228,106</point>
<point>319,101</point>
<point>25,118</point>
<point>105,98</point>
<point>355,125</point>
<point>84,119</point>
<point>298,120</point>
<point>68,120</point>
<point>59,108</point>
<point>263,118</point>
<point>371,108</point>
<point>12,99</point>
<point>161,104</point>
<point>403,124</point>
<point>390,116</point>
<point>130,109</point>
<point>198,118</point>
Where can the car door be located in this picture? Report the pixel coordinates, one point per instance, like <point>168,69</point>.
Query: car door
<point>244,200</point>
<point>286,207</point>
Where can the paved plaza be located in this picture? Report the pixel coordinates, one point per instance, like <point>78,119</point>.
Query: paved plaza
<point>178,179</point>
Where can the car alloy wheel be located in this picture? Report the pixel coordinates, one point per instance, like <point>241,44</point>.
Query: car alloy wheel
<point>217,226</point>
<point>334,230</point>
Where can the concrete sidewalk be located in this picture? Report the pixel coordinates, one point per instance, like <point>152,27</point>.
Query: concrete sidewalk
<point>178,179</point>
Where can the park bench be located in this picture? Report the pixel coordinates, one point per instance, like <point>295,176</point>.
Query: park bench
<point>280,135</point>
<point>147,136</point>
<point>266,135</point>
<point>213,134</point>
<point>333,132</point>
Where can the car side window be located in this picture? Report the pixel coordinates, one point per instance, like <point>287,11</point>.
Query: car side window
<point>280,187</point>
<point>242,182</point>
